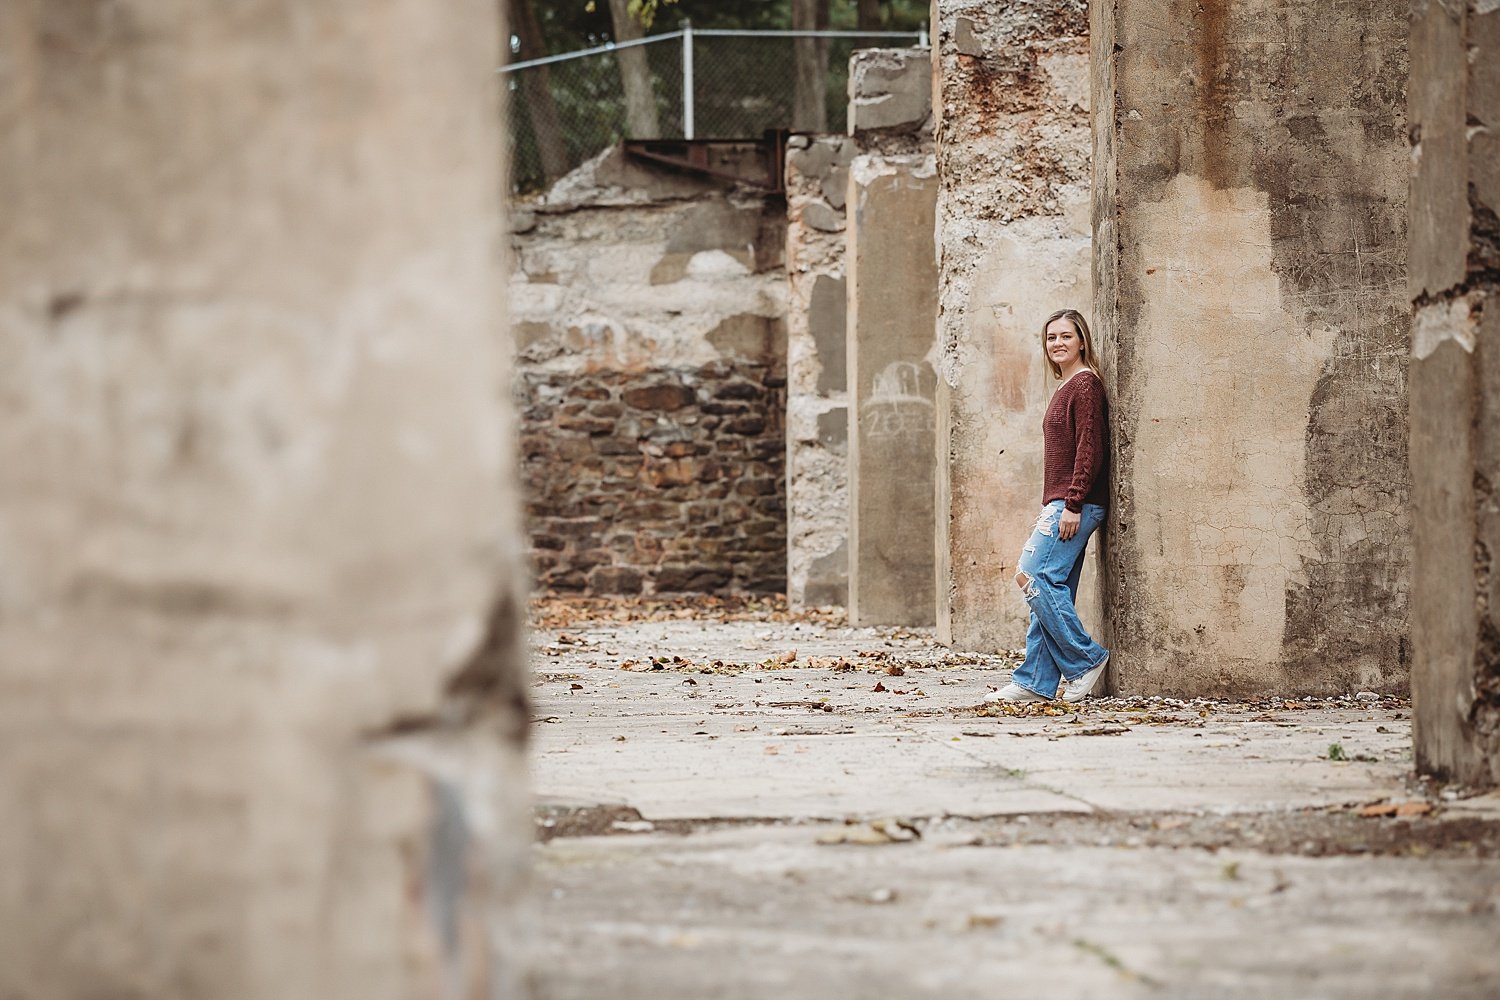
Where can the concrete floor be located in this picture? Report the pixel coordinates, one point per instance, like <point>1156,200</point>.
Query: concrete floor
<point>852,822</point>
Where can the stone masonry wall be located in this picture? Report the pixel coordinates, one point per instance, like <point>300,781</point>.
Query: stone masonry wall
<point>655,481</point>
<point>1013,145</point>
<point>651,381</point>
<point>1250,216</point>
<point>817,415</point>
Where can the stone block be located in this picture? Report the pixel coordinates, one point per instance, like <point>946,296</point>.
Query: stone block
<point>665,397</point>
<point>615,580</point>
<point>889,89</point>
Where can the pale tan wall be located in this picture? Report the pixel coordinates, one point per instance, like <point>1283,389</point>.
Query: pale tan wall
<point>259,501</point>
<point>1013,215</point>
<point>1250,238</point>
<point>1455,391</point>
<point>892,275</point>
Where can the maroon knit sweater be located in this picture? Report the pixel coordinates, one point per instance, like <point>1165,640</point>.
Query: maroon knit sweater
<point>1074,432</point>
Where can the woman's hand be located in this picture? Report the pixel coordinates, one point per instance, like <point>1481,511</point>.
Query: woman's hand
<point>1067,525</point>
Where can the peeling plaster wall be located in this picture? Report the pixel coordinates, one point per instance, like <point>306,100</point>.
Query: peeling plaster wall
<point>649,316</point>
<point>260,672</point>
<point>817,415</point>
<point>1455,392</point>
<point>1013,151</point>
<point>1250,253</point>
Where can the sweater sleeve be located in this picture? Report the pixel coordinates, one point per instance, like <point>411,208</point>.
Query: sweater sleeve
<point>1088,451</point>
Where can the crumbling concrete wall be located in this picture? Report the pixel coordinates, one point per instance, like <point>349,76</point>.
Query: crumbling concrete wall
<point>259,545</point>
<point>1249,231</point>
<point>649,312</point>
<point>892,285</point>
<point>1013,145</point>
<point>1455,388</point>
<point>889,113</point>
<point>817,412</point>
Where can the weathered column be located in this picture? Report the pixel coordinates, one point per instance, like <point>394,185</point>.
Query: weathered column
<point>817,406</point>
<point>892,312</point>
<point>1249,234</point>
<point>257,525</point>
<point>1013,247</point>
<point>892,302</point>
<point>1455,388</point>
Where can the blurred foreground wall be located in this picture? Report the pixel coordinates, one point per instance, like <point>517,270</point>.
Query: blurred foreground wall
<point>259,710</point>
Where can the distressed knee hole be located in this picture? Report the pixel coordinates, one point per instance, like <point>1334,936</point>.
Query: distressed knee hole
<point>1024,582</point>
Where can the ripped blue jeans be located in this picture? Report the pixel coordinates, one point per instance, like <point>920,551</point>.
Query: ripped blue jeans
<point>1057,646</point>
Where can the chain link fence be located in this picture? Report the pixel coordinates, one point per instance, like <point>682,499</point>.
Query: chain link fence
<point>704,84</point>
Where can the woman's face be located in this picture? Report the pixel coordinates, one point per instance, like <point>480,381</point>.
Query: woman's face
<point>1063,343</point>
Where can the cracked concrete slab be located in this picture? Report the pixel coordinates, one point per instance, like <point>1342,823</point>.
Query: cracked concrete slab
<point>853,821</point>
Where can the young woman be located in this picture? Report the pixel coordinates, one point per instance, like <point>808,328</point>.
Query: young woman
<point>1074,433</point>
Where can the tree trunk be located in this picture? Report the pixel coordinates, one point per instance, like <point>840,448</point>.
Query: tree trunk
<point>635,73</point>
<point>869,15</point>
<point>536,92</point>
<point>809,102</point>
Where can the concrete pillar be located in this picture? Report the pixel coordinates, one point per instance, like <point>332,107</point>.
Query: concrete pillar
<point>1249,234</point>
<point>259,605</point>
<point>1013,150</point>
<point>892,311</point>
<point>817,406</point>
<point>1455,388</point>
<point>892,283</point>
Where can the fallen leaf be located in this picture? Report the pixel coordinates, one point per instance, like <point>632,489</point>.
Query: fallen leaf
<point>878,687</point>
<point>894,671</point>
<point>790,656</point>
<point>1414,809</point>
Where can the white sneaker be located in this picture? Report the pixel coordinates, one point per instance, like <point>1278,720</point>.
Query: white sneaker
<point>1079,688</point>
<point>1014,692</point>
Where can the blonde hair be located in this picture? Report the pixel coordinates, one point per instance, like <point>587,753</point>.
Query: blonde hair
<point>1081,327</point>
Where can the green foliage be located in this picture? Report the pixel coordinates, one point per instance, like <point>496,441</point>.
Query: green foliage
<point>1336,752</point>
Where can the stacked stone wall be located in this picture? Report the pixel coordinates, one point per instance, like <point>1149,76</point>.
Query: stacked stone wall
<point>651,383</point>
<point>657,481</point>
